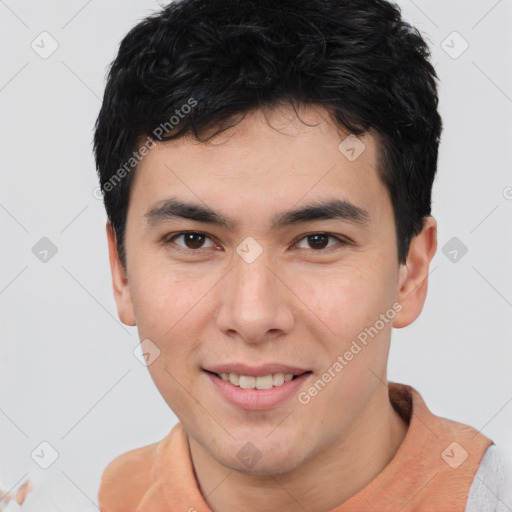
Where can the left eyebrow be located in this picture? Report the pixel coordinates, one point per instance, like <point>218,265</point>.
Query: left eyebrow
<point>323,210</point>
<point>319,210</point>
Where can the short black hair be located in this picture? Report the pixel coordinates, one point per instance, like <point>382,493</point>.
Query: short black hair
<point>198,66</point>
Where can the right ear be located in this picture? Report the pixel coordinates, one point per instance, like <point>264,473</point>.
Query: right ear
<point>120,283</point>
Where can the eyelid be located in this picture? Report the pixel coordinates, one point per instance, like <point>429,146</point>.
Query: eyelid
<point>342,241</point>
<point>170,239</point>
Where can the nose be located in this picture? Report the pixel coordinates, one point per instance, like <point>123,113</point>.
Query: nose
<point>256,302</point>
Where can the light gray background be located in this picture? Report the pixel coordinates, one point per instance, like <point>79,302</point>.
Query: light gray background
<point>68,375</point>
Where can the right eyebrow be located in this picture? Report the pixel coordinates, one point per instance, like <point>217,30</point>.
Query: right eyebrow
<point>172,208</point>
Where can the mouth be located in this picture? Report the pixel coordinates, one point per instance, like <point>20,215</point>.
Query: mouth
<point>261,382</point>
<point>269,387</point>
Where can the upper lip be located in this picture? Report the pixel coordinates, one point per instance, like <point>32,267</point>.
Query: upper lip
<point>255,371</point>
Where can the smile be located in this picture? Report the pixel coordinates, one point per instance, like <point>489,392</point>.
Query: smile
<point>251,382</point>
<point>261,392</point>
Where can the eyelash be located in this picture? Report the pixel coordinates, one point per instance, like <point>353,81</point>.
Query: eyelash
<point>169,239</point>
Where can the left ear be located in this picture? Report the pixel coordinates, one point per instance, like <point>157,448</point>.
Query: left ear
<point>413,274</point>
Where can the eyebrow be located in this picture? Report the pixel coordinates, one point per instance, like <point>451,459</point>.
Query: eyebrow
<point>173,208</point>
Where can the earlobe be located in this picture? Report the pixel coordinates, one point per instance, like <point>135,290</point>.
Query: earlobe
<point>120,283</point>
<point>413,274</point>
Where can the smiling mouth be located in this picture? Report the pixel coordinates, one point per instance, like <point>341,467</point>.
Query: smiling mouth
<point>260,382</point>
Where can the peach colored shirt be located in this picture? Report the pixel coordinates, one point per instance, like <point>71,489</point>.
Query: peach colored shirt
<point>432,471</point>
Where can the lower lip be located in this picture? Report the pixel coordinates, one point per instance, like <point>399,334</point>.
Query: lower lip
<point>257,399</point>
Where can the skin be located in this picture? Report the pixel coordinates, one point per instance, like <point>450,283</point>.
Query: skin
<point>294,305</point>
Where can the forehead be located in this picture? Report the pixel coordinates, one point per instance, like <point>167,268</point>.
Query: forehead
<point>271,159</point>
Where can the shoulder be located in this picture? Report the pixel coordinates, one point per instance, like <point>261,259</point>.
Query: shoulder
<point>492,486</point>
<point>126,479</point>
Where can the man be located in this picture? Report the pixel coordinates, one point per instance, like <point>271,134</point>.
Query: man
<point>267,171</point>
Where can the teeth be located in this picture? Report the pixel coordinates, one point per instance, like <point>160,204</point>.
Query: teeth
<point>247,382</point>
<point>264,382</point>
<point>278,379</point>
<point>250,382</point>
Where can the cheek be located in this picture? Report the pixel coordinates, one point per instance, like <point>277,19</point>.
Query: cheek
<point>170,310</point>
<point>347,300</point>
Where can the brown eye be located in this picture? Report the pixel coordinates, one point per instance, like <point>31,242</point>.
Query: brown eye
<point>191,240</point>
<point>320,241</point>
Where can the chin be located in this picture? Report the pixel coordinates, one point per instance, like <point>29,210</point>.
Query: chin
<point>260,457</point>
<point>264,467</point>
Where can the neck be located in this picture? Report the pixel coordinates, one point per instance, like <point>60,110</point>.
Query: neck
<point>320,483</point>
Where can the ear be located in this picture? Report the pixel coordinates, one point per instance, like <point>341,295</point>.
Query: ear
<point>413,274</point>
<point>120,284</point>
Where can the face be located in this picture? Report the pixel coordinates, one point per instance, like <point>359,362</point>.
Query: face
<point>234,285</point>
